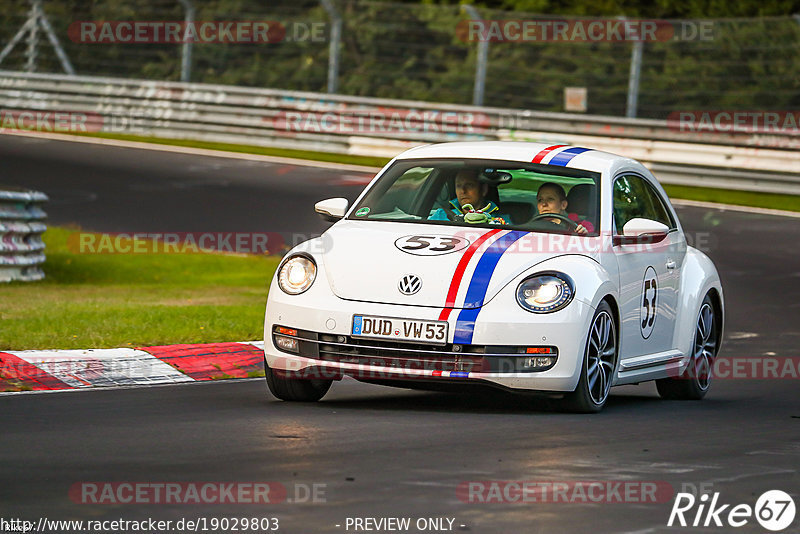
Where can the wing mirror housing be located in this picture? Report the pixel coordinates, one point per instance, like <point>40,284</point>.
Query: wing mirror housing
<point>639,231</point>
<point>332,209</point>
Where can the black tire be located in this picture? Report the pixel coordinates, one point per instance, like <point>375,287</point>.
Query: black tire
<point>599,364</point>
<point>295,389</point>
<point>695,381</point>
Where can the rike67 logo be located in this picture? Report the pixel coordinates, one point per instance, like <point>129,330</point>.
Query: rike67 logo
<point>774,510</point>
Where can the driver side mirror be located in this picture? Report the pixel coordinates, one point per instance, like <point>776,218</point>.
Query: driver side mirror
<point>640,231</point>
<point>332,209</point>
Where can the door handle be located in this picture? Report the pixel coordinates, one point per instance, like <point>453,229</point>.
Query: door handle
<point>671,264</point>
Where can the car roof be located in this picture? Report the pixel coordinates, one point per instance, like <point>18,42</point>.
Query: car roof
<point>583,158</point>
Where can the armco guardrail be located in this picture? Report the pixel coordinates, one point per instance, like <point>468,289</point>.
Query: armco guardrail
<point>382,127</point>
<point>21,228</point>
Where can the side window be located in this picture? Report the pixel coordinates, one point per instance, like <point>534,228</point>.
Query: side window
<point>660,211</point>
<point>626,202</point>
<point>634,197</point>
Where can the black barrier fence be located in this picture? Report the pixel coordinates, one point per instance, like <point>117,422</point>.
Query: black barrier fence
<point>603,66</point>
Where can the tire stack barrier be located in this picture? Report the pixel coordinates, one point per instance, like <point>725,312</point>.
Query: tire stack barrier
<point>21,228</point>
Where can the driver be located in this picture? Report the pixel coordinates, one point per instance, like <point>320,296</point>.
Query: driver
<point>470,191</point>
<point>552,199</point>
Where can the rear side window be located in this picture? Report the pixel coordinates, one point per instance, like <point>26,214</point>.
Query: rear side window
<point>636,197</point>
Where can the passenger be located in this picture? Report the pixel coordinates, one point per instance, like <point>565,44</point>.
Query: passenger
<point>552,199</point>
<point>471,192</point>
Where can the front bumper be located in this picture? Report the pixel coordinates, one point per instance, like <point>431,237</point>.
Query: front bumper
<point>326,348</point>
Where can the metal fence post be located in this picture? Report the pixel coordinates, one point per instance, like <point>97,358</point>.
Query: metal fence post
<point>16,39</point>
<point>31,27</point>
<point>51,35</point>
<point>33,36</point>
<point>481,62</point>
<point>333,51</point>
<point>633,80</point>
<point>186,53</point>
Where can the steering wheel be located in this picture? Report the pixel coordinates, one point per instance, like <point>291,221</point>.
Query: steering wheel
<point>452,215</point>
<point>571,225</point>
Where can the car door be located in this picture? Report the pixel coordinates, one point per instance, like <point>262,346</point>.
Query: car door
<point>649,274</point>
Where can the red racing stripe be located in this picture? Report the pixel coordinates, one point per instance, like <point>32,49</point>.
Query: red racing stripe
<point>213,360</point>
<point>18,375</point>
<point>459,274</point>
<point>541,155</point>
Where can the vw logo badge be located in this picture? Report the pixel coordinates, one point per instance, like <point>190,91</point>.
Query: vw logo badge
<point>409,284</point>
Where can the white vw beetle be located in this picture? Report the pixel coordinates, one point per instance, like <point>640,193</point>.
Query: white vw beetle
<point>523,266</point>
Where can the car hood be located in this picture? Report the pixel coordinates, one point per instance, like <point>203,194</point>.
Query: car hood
<point>363,261</point>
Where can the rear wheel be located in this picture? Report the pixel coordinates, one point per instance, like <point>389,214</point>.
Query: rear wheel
<point>599,363</point>
<point>295,389</point>
<point>694,382</point>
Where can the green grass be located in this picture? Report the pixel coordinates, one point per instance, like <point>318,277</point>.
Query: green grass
<point>742,198</point>
<point>128,300</point>
<point>739,198</point>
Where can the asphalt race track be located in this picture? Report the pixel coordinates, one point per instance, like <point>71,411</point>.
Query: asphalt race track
<point>379,452</point>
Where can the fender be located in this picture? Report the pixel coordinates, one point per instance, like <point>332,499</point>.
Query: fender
<point>313,247</point>
<point>592,284</point>
<point>698,277</point>
<point>592,281</point>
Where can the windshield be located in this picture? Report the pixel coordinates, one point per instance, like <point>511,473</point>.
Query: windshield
<point>485,193</point>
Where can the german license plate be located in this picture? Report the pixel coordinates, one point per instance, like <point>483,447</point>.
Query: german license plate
<point>434,332</point>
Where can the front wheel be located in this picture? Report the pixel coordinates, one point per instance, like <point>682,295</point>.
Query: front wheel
<point>295,389</point>
<point>694,382</point>
<point>599,364</point>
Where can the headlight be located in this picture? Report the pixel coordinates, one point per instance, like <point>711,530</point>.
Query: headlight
<point>297,274</point>
<point>545,292</point>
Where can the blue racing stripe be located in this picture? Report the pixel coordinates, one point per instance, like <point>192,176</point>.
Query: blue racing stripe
<point>479,284</point>
<point>465,326</point>
<point>562,158</point>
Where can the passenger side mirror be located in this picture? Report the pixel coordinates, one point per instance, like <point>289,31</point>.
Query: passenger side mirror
<point>640,231</point>
<point>332,209</point>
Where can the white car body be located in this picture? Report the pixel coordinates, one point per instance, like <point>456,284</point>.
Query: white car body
<point>359,267</point>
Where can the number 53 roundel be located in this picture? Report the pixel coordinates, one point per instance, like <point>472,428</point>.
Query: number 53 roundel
<point>649,302</point>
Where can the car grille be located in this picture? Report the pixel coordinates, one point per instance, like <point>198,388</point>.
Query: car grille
<point>410,356</point>
<point>399,355</point>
